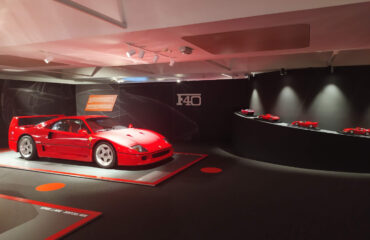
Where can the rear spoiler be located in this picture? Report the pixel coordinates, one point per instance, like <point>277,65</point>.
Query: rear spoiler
<point>32,120</point>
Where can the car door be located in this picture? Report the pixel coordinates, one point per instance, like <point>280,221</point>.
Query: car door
<point>66,141</point>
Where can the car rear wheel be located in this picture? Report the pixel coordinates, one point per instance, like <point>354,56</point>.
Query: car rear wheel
<point>351,132</point>
<point>367,133</point>
<point>105,155</point>
<point>27,148</point>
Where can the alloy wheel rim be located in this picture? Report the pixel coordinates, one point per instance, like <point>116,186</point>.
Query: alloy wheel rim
<point>104,155</point>
<point>25,147</point>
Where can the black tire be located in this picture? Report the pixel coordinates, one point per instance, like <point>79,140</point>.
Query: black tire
<point>105,155</point>
<point>27,148</point>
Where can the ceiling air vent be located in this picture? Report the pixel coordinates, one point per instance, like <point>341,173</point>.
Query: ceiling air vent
<point>251,40</point>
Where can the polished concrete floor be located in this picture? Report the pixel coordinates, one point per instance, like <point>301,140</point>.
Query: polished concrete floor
<point>247,200</point>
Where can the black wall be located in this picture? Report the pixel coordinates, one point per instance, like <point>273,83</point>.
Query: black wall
<point>153,106</point>
<point>20,98</point>
<point>336,100</point>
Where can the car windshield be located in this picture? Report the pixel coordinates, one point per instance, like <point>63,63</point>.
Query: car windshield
<point>103,124</point>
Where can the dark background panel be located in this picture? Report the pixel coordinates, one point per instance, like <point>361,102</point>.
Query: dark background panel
<point>21,98</point>
<point>153,106</point>
<point>336,100</point>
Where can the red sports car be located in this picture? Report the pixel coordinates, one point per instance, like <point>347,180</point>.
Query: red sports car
<point>269,117</point>
<point>357,131</point>
<point>86,138</point>
<point>247,111</point>
<point>307,124</point>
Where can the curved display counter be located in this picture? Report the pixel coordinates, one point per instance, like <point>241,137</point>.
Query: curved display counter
<point>284,144</point>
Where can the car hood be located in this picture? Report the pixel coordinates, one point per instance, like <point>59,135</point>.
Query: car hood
<point>131,136</point>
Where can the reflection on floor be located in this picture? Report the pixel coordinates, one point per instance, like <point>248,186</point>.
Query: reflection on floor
<point>146,175</point>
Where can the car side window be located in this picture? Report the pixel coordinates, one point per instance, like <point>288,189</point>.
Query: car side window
<point>69,125</point>
<point>61,125</point>
<point>76,124</point>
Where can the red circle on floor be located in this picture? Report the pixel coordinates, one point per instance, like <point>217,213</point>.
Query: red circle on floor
<point>50,187</point>
<point>211,170</point>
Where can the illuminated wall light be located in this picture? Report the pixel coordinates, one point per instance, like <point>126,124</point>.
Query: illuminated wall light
<point>329,106</point>
<point>130,53</point>
<point>172,62</point>
<point>155,59</point>
<point>288,104</point>
<point>48,59</point>
<point>141,54</point>
<point>255,102</point>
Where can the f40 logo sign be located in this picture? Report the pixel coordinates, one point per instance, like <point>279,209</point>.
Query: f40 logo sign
<point>189,99</point>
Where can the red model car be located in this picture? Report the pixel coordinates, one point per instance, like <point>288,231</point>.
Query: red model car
<point>357,131</point>
<point>307,124</point>
<point>247,111</point>
<point>86,138</point>
<point>269,117</point>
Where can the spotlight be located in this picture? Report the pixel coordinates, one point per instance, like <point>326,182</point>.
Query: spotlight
<point>48,59</point>
<point>155,59</point>
<point>141,53</point>
<point>130,53</point>
<point>283,72</point>
<point>117,79</point>
<point>172,62</point>
<point>186,50</point>
<point>178,81</point>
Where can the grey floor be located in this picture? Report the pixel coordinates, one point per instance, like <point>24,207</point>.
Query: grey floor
<point>151,175</point>
<point>247,200</point>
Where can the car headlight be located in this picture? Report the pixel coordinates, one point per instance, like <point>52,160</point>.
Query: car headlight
<point>139,148</point>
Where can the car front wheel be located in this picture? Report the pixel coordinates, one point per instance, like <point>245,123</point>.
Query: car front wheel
<point>105,155</point>
<point>27,148</point>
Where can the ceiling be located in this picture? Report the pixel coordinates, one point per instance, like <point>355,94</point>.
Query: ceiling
<point>85,41</point>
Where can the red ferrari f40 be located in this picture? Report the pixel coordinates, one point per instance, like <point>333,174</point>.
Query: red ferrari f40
<point>98,139</point>
<point>357,131</point>
<point>269,117</point>
<point>306,124</point>
<point>247,111</point>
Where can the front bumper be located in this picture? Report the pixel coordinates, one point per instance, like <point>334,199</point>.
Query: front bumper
<point>125,159</point>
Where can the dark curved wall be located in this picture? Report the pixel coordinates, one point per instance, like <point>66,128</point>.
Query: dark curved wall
<point>21,98</point>
<point>154,106</point>
<point>336,100</point>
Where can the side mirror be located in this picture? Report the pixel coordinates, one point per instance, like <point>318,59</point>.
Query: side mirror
<point>82,131</point>
<point>130,125</point>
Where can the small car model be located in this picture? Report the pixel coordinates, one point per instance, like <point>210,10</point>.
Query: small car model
<point>269,117</point>
<point>97,138</point>
<point>357,131</point>
<point>306,124</point>
<point>248,112</point>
